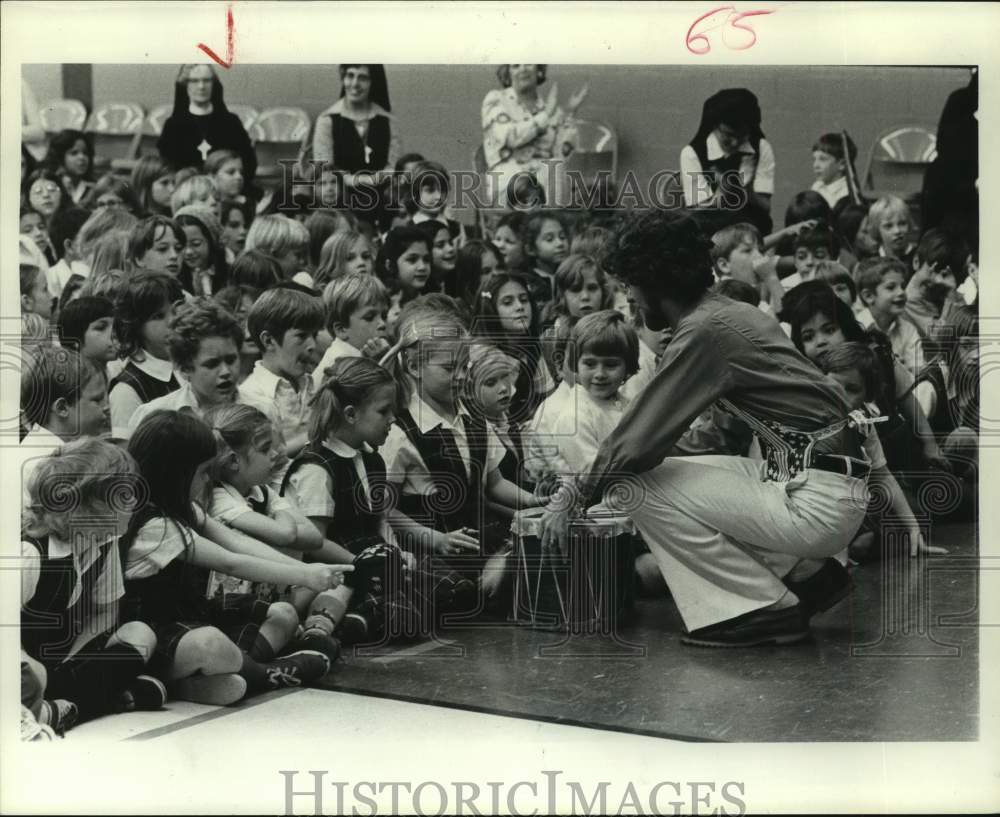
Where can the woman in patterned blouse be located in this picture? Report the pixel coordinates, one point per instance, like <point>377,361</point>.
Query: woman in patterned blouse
<point>522,131</point>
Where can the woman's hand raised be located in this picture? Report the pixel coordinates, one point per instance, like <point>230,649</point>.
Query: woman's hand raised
<point>552,101</point>
<point>577,99</point>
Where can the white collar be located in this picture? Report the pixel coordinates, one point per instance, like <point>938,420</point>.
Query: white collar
<point>342,449</point>
<point>155,367</point>
<point>41,437</point>
<point>272,380</point>
<point>714,149</point>
<point>58,549</point>
<point>339,107</point>
<point>616,402</point>
<point>255,494</point>
<point>345,348</point>
<point>420,217</point>
<point>427,418</point>
<point>186,397</point>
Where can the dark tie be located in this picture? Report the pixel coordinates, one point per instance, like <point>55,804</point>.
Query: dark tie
<point>449,450</point>
<point>258,505</point>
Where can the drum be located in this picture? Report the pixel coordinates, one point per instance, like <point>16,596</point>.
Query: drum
<point>587,591</point>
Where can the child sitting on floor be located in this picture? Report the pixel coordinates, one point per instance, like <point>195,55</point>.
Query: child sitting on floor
<point>940,265</point>
<point>404,266</point>
<point>545,239</point>
<point>63,397</point>
<point>208,650</point>
<point>287,241</point>
<point>818,321</point>
<point>581,289</point>
<point>85,324</point>
<point>434,446</point>
<point>356,310</point>
<point>489,387</point>
<point>508,316</point>
<point>71,582</point>
<point>737,253</point>
<point>283,324</point>
<point>143,312</point>
<point>242,500</point>
<point>889,226</point>
<point>36,305</point>
<point>831,155</point>
<point>339,481</point>
<point>603,353</point>
<point>204,344</point>
<point>855,368</point>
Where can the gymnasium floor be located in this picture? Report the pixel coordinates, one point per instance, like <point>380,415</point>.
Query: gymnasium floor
<point>896,661</point>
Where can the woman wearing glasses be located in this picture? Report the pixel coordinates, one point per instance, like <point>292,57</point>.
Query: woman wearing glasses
<point>201,123</point>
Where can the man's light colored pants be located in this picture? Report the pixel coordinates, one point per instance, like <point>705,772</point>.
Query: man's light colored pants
<point>724,539</point>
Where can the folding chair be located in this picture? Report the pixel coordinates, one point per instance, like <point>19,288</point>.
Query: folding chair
<point>279,133</point>
<point>149,134</point>
<point>897,161</point>
<point>62,114</point>
<point>116,128</point>
<point>157,118</point>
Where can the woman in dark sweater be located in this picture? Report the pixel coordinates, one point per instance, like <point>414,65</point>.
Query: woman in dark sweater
<point>355,135</point>
<point>201,123</point>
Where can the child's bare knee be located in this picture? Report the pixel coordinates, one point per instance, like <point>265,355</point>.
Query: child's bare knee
<point>216,652</point>
<point>283,614</point>
<point>138,635</point>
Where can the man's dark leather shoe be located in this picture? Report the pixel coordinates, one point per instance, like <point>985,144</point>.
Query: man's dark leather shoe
<point>829,585</point>
<point>753,629</point>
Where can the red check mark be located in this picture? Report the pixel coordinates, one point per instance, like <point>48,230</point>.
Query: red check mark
<point>230,42</point>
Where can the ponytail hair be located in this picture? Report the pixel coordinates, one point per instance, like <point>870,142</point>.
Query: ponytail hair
<point>235,427</point>
<point>350,381</point>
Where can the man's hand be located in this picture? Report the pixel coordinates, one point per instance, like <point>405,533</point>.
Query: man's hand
<point>554,529</point>
<point>919,546</point>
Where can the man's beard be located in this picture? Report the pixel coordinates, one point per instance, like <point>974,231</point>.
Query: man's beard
<point>654,319</point>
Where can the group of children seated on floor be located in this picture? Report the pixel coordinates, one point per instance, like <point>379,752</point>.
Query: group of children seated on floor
<point>244,448</point>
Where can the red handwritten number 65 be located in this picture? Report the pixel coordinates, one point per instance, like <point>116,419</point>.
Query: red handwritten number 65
<point>722,17</point>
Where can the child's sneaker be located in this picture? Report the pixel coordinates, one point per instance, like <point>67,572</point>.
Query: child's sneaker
<point>213,690</point>
<point>317,641</point>
<point>353,629</point>
<point>144,694</point>
<point>299,668</point>
<point>59,714</point>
